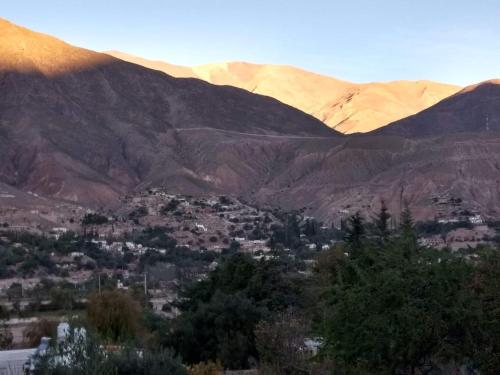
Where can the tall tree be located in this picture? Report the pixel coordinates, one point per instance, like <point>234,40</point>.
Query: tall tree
<point>407,230</point>
<point>404,316</point>
<point>381,222</point>
<point>220,313</point>
<point>355,233</point>
<point>115,315</point>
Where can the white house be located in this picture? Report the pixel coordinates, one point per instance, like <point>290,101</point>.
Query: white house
<point>476,220</point>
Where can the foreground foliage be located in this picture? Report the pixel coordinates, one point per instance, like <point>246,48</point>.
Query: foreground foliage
<point>393,307</point>
<point>219,315</point>
<point>377,303</point>
<point>84,356</point>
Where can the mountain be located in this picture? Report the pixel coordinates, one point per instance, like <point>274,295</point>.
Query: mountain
<point>86,127</point>
<point>344,106</point>
<point>474,109</point>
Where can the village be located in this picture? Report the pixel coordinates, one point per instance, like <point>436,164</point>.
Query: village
<point>155,242</point>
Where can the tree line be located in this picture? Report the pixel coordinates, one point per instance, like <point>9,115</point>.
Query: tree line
<point>376,303</point>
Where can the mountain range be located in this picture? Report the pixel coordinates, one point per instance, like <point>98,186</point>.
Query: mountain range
<point>86,127</point>
<point>344,106</point>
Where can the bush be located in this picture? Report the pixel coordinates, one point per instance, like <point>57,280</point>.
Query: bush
<point>86,355</point>
<point>219,314</point>
<point>94,219</point>
<point>115,315</point>
<point>6,337</point>
<point>171,206</point>
<point>207,368</point>
<point>32,335</point>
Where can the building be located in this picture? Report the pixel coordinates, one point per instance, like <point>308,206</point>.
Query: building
<point>476,220</point>
<point>201,227</point>
<point>435,241</point>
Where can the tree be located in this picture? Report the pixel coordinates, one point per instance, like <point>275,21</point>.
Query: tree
<point>310,228</point>
<point>61,298</point>
<point>281,346</point>
<point>32,335</point>
<point>407,229</point>
<point>355,233</point>
<point>381,222</point>
<point>115,315</point>
<point>400,314</point>
<point>94,219</point>
<point>6,337</point>
<point>486,286</point>
<point>84,355</point>
<point>207,368</point>
<point>219,314</point>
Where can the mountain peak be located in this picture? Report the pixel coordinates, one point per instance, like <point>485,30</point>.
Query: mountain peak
<point>494,81</point>
<point>344,106</point>
<point>26,51</point>
<point>471,110</point>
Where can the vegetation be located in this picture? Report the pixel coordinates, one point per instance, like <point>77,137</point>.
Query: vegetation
<point>171,206</point>
<point>94,219</point>
<point>219,315</point>
<point>397,308</point>
<point>33,334</point>
<point>114,315</point>
<point>6,337</point>
<point>207,368</point>
<point>374,303</point>
<point>86,355</point>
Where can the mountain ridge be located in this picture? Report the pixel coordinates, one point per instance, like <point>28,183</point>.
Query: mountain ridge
<point>91,135</point>
<point>345,106</point>
<point>472,109</point>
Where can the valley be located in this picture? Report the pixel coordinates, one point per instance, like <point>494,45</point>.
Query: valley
<point>165,219</point>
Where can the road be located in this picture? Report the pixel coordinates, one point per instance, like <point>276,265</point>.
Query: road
<point>253,134</point>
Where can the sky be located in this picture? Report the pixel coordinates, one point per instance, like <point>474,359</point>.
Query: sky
<point>454,41</point>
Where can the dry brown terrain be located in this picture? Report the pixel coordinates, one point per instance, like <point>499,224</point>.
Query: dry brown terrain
<point>344,106</point>
<point>108,127</point>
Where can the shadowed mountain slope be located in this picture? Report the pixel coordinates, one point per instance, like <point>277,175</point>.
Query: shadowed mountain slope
<point>474,109</point>
<point>344,106</point>
<point>84,126</point>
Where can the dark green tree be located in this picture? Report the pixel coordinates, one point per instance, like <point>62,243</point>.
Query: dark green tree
<point>381,222</point>
<point>407,230</point>
<point>399,314</point>
<point>219,314</point>
<point>355,234</point>
<point>87,355</point>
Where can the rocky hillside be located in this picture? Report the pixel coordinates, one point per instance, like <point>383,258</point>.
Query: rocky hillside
<point>87,128</point>
<point>84,126</point>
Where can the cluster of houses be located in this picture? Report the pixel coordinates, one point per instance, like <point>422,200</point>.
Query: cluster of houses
<point>462,237</point>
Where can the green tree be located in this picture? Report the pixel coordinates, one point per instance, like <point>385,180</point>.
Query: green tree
<point>399,314</point>
<point>486,286</point>
<point>33,333</point>
<point>85,355</point>
<point>355,233</point>
<point>6,337</point>
<point>207,368</point>
<point>219,314</point>
<point>381,222</point>
<point>115,315</point>
<point>281,346</point>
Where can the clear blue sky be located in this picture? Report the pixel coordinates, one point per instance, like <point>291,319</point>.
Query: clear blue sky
<point>456,41</point>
